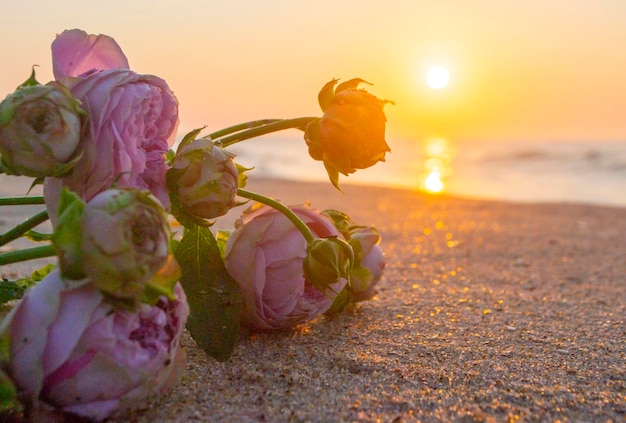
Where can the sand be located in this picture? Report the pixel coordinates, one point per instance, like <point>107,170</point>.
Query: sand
<point>488,311</point>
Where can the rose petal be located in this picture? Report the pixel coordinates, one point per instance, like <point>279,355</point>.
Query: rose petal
<point>27,326</point>
<point>75,52</point>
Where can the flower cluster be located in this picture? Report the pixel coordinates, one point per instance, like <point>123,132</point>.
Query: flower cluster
<point>99,333</point>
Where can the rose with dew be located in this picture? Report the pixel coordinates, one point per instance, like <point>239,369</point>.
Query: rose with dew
<point>132,119</point>
<point>351,133</point>
<point>125,241</point>
<point>72,350</point>
<point>265,255</point>
<point>204,178</point>
<point>40,130</point>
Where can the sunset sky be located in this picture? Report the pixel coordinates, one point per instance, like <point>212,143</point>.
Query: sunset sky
<point>519,70</point>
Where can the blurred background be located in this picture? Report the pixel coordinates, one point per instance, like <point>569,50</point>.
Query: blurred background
<point>526,102</point>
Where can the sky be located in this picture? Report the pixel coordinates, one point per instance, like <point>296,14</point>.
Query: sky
<point>546,70</point>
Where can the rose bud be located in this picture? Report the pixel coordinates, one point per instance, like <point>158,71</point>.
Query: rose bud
<point>133,119</point>
<point>125,241</point>
<point>369,263</point>
<point>205,179</point>
<point>40,129</point>
<point>351,133</point>
<point>265,255</point>
<point>72,350</point>
<point>328,260</point>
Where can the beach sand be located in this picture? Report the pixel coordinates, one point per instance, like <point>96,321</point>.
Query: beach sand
<point>487,311</point>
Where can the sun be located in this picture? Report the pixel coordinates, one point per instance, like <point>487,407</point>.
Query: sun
<point>437,77</point>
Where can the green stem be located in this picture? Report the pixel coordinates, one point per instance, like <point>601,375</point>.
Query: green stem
<point>299,123</point>
<point>21,201</point>
<point>23,227</point>
<point>240,127</point>
<point>302,227</point>
<point>27,254</point>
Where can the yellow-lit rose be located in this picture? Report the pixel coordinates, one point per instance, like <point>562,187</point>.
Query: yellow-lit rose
<point>351,133</point>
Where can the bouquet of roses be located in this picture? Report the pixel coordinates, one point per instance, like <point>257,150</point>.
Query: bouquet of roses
<point>100,331</point>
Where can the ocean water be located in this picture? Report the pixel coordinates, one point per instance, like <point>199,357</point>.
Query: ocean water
<point>572,172</point>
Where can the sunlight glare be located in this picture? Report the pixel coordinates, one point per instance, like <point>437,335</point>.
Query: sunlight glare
<point>437,164</point>
<point>438,77</point>
<point>433,182</point>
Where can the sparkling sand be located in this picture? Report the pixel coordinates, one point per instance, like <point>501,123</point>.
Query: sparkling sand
<point>488,311</point>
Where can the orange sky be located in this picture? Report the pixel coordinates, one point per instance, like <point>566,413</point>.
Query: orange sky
<point>520,70</point>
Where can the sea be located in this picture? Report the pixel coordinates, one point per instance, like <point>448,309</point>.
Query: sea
<point>589,172</point>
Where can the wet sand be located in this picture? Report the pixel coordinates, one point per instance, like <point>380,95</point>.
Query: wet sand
<point>488,311</point>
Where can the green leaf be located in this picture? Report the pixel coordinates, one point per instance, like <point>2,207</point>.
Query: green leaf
<point>14,290</point>
<point>67,237</point>
<point>170,156</point>
<point>37,236</point>
<point>214,297</point>
<point>333,175</point>
<point>36,181</point>
<point>342,221</point>
<point>222,239</point>
<point>31,81</point>
<point>10,290</point>
<point>162,282</point>
<point>8,393</point>
<point>350,85</point>
<point>191,136</point>
<point>242,180</point>
<point>180,213</point>
<point>325,97</point>
<point>342,300</point>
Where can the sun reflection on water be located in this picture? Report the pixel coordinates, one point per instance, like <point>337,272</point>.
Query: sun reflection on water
<point>437,165</point>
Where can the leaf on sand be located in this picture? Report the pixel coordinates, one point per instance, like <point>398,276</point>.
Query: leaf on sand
<point>214,297</point>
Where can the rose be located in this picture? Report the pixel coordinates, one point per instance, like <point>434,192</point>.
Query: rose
<point>40,128</point>
<point>125,241</point>
<point>351,133</point>
<point>265,255</point>
<point>72,350</point>
<point>204,178</point>
<point>370,263</point>
<point>75,52</point>
<point>369,260</point>
<point>133,119</point>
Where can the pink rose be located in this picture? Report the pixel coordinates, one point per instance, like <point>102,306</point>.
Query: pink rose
<point>132,119</point>
<point>73,350</point>
<point>265,255</point>
<point>75,52</point>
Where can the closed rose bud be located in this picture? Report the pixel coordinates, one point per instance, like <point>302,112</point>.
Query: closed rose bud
<point>369,263</point>
<point>205,179</point>
<point>40,130</point>
<point>72,350</point>
<point>351,133</point>
<point>125,241</point>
